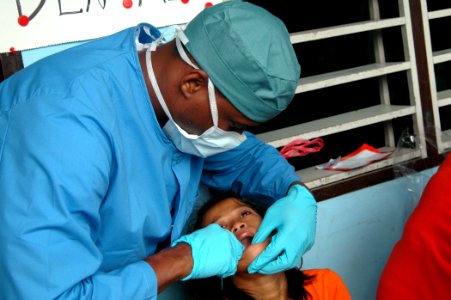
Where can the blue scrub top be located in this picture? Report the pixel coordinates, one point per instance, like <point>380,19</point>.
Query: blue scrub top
<point>90,184</point>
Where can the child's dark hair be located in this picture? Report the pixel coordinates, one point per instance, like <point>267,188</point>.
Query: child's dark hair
<point>215,288</point>
<point>216,197</point>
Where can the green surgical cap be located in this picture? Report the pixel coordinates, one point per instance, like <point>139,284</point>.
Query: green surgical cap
<point>247,53</point>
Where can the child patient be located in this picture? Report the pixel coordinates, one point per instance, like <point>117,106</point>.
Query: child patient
<point>243,219</point>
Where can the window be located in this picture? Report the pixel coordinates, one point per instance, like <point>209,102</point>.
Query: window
<point>359,84</point>
<point>436,16</point>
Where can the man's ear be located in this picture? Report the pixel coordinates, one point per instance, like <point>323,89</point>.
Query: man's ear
<point>193,82</point>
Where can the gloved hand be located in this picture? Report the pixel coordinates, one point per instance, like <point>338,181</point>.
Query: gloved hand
<point>294,219</point>
<point>215,251</point>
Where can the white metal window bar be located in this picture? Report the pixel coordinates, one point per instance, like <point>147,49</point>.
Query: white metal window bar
<point>439,98</point>
<point>382,113</point>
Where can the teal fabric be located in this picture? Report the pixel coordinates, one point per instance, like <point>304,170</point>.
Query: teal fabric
<point>248,55</point>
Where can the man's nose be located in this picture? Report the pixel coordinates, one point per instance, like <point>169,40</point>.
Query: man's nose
<point>238,226</point>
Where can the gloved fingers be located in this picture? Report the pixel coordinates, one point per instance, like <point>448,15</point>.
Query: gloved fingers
<point>219,256</point>
<point>294,218</point>
<point>267,227</point>
<point>272,251</point>
<point>284,261</point>
<point>215,251</point>
<point>237,253</point>
<point>275,266</point>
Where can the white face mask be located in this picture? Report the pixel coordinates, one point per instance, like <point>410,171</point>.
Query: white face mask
<point>214,140</point>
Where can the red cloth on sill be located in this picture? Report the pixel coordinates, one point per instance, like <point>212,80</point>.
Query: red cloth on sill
<point>420,264</point>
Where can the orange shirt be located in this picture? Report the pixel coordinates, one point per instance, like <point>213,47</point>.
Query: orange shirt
<point>326,285</point>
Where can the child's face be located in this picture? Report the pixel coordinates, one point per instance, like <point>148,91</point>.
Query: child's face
<point>236,217</point>
<point>242,221</point>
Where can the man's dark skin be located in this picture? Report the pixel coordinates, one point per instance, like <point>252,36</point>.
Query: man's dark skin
<point>185,91</point>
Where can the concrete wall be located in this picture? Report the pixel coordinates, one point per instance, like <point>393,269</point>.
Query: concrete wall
<point>356,232</point>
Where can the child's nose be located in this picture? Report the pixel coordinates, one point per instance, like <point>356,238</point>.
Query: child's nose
<point>238,226</point>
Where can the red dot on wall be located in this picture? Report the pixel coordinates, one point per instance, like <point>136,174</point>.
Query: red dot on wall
<point>185,1</point>
<point>13,51</point>
<point>127,3</point>
<point>208,4</point>
<point>23,20</point>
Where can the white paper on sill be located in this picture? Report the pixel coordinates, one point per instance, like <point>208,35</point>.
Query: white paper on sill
<point>365,155</point>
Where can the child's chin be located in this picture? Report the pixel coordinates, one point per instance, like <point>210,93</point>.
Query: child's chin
<point>251,252</point>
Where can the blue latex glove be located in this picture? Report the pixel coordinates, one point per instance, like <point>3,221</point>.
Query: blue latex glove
<point>294,220</point>
<point>215,252</point>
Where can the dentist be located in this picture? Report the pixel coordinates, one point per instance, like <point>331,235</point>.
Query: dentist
<point>103,147</point>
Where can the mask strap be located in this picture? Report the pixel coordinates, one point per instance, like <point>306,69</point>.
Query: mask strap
<point>152,35</point>
<point>179,39</point>
<point>212,100</point>
<point>182,38</point>
<point>156,43</point>
<point>153,80</point>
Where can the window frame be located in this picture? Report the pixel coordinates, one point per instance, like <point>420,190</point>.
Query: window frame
<point>428,153</point>
<point>442,98</point>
